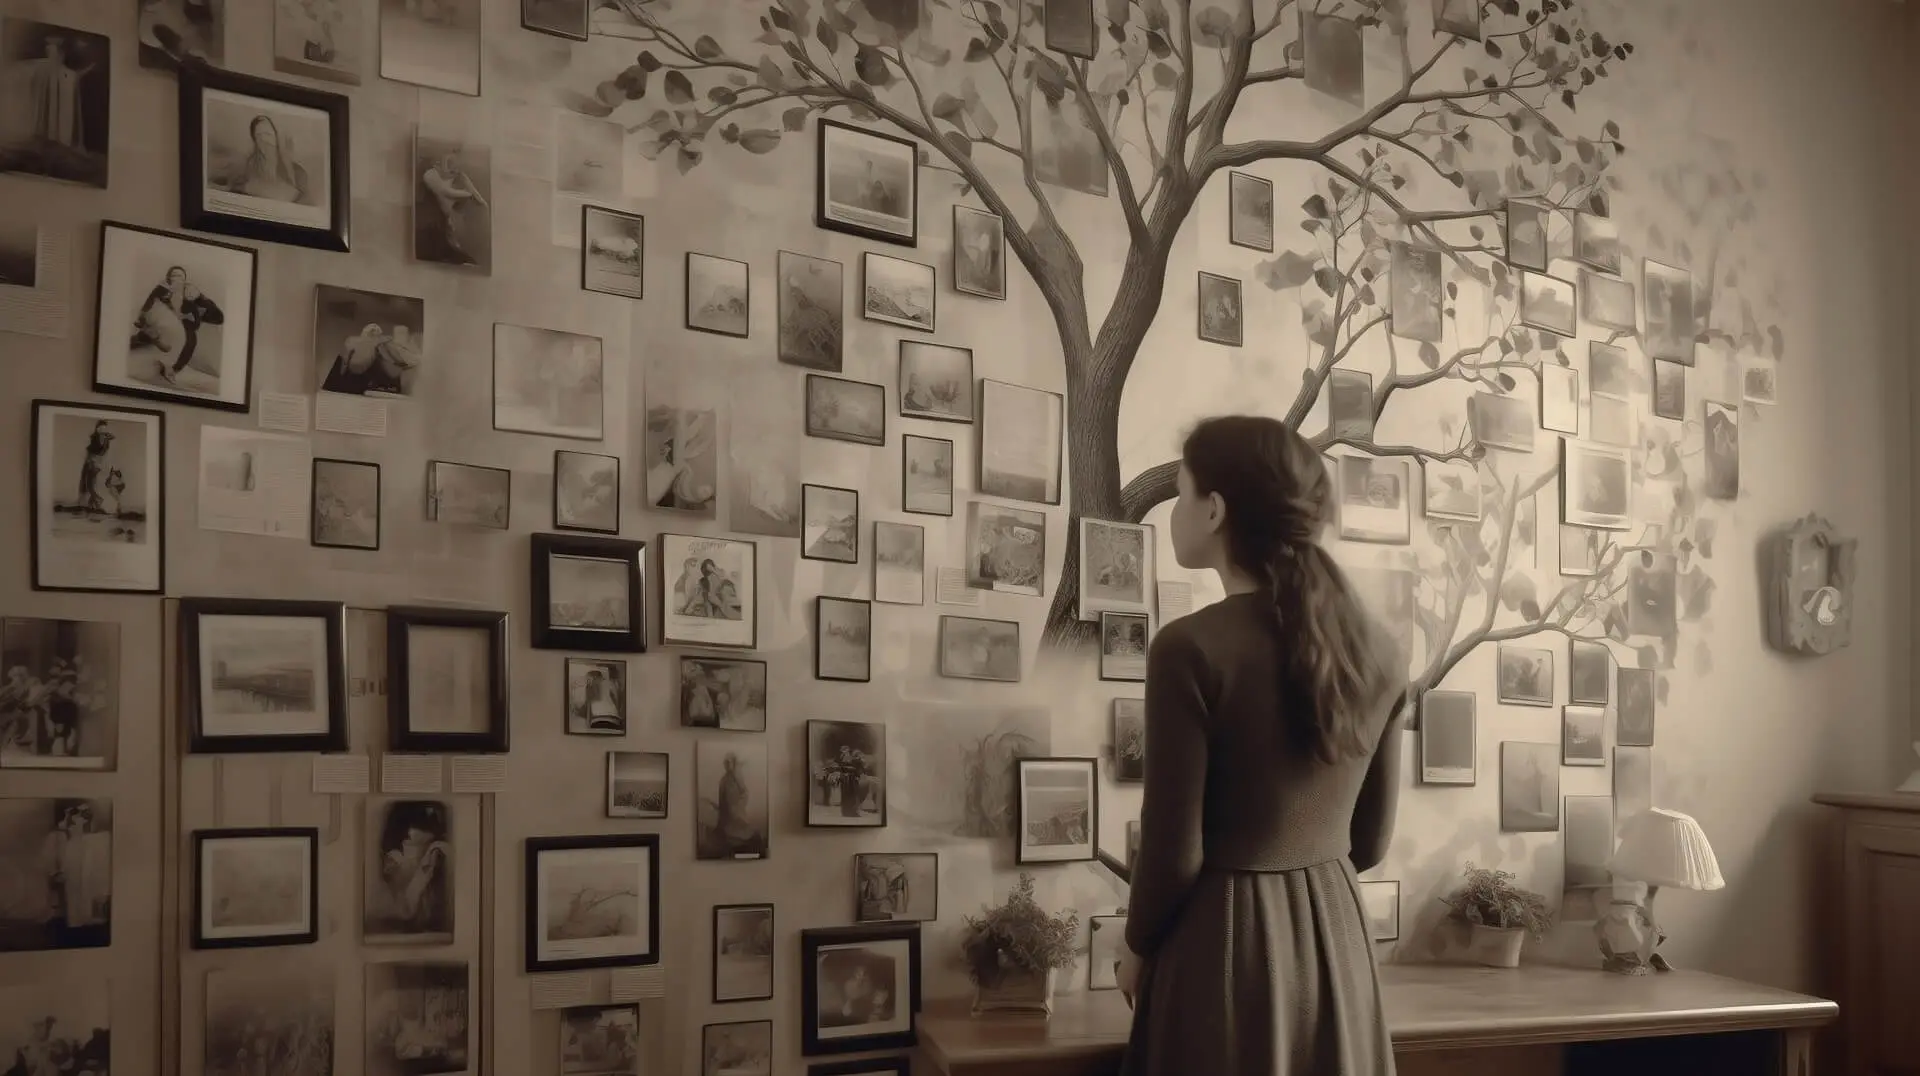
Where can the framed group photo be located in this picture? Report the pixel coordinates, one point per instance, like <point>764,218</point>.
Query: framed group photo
<point>99,498</point>
<point>588,593</point>
<point>859,988</point>
<point>446,680</point>
<point>263,675</point>
<point>712,599</point>
<point>263,160</point>
<point>592,902</point>
<point>174,321</point>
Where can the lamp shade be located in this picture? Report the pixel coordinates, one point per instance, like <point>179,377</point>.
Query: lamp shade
<point>1666,848</point>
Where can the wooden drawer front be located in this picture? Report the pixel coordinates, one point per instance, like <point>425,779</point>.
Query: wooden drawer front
<point>1882,1007</point>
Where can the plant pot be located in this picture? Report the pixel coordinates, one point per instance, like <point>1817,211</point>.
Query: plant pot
<point>1018,993</point>
<point>1496,947</point>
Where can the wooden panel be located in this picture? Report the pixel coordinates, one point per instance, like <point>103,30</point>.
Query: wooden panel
<point>1883,945</point>
<point>1543,1060</point>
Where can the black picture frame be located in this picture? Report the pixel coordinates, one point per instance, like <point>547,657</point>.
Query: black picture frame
<point>203,837</point>
<point>890,1066</point>
<point>333,617</point>
<point>536,846</point>
<point>1088,47</point>
<point>195,79</point>
<point>1020,831</point>
<point>1114,617</point>
<point>821,217</point>
<point>401,735</point>
<point>1239,337</point>
<point>549,636</point>
<point>815,939</point>
<point>713,956</point>
<point>1235,179</point>
<point>111,261</point>
<point>41,487</point>
<point>586,248</point>
<point>961,282</point>
<point>971,396</point>
<point>686,306</point>
<point>379,508</point>
<point>868,312</point>
<point>906,500</point>
<point>805,492</point>
<point>820,606</point>
<point>823,734</point>
<point>558,454</point>
<point>827,433</point>
<point>557,31</point>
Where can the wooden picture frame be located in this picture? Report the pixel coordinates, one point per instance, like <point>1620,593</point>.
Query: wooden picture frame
<point>566,518</point>
<point>1054,811</point>
<point>152,346</point>
<point>1233,331</point>
<point>687,618</point>
<point>401,733</point>
<point>246,662</point>
<point>722,911</point>
<point>885,224</point>
<point>1246,185</point>
<point>579,955</point>
<point>877,950</point>
<point>602,590</point>
<point>71,434</point>
<point>207,92</point>
<point>208,932</point>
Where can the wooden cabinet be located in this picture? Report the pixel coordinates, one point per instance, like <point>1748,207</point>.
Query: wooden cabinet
<point>1879,924</point>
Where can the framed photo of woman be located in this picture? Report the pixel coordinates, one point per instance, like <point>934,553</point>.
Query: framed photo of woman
<point>263,160</point>
<point>174,321</point>
<point>99,499</point>
<point>708,592</point>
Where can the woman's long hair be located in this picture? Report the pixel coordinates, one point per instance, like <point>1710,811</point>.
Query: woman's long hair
<point>1278,497</point>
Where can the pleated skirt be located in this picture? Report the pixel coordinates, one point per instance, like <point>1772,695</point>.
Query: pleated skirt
<point>1264,974</point>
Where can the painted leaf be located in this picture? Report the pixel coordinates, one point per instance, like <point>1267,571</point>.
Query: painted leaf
<point>679,87</point>
<point>759,140</point>
<point>1328,280</point>
<point>780,18</point>
<point>958,143</point>
<point>794,119</point>
<point>1289,270</point>
<point>978,50</point>
<point>1429,355</point>
<point>828,37</point>
<point>902,15</point>
<point>1518,588</point>
<point>871,65</point>
<point>1213,26</point>
<point>947,107</point>
<point>706,48</point>
<point>770,75</point>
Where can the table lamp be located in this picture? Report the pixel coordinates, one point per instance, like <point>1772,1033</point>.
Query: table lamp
<point>1657,848</point>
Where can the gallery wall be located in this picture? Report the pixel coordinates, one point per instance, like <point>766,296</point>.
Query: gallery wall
<point>1756,156</point>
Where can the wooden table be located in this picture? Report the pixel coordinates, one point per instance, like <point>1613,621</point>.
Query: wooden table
<point>1450,1019</point>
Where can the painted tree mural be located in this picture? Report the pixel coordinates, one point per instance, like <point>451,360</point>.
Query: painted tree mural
<point>1482,107</point>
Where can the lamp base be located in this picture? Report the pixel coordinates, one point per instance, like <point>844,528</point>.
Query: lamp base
<point>1629,938</point>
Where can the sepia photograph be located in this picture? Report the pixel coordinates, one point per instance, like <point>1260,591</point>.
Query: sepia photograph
<point>1453,490</point>
<point>936,381</point>
<point>418,1018</point>
<point>1595,485</point>
<point>1020,442</point>
<point>843,410</point>
<point>588,593</point>
<point>843,639</point>
<point>613,252</point>
<point>1607,301</point>
<point>320,39</point>
<point>281,1019</point>
<point>829,524</point>
<point>586,491</point>
<point>897,291</point>
<point>859,988</point>
<point>1116,568</point>
<point>730,799</point>
<point>1583,736</point>
<point>1547,303</point>
<point>1222,318</point>
<point>263,160</point>
<point>1350,404</point>
<point>1006,549</point>
<point>548,382</point>
<point>56,115</point>
<point>1669,390</point>
<point>452,213</point>
<point>1106,947</point>
<point>1505,422</point>
<point>1581,549</point>
<point>592,902</point>
<point>1722,450</point>
<point>1070,29</point>
<point>410,885</point>
<point>59,854</point>
<point>742,1048</point>
<point>926,475</point>
<point>896,887</point>
<point>979,253</point>
<point>59,1028</point>
<point>1610,420</point>
<point>589,156</point>
<point>1588,841</point>
<point>742,952</point>
<point>899,563</point>
<point>178,32</point>
<point>1526,676</point>
<point>596,697</point>
<point>869,184</point>
<point>975,649</point>
<point>1529,788</point>
<point>1668,292</point>
<point>255,887</point>
<point>600,1040</point>
<point>682,450</point>
<point>1381,902</point>
<point>1596,242</point>
<point>1418,292</point>
<point>1653,593</point>
<point>1123,646</point>
<point>723,693</point>
<point>1250,211</point>
<point>264,675</point>
<point>812,304</point>
<point>1336,62</point>
<point>846,774</point>
<point>1633,706</point>
<point>1058,805</point>
<point>637,784</point>
<point>431,43</point>
<point>447,679</point>
<point>1373,500</point>
<point>1129,739</point>
<point>561,18</point>
<point>468,495</point>
<point>718,293</point>
<point>1449,749</point>
<point>712,599</point>
<point>367,343</point>
<point>1526,226</point>
<point>1759,381</point>
<point>1458,17</point>
<point>59,694</point>
<point>175,319</point>
<point>1589,673</point>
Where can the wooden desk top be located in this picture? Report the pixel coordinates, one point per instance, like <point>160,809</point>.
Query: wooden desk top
<point>1871,801</point>
<point>1429,1007</point>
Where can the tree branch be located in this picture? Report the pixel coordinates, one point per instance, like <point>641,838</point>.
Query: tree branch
<point>1444,662</point>
<point>1122,182</point>
<point>1149,488</point>
<point>1468,453</point>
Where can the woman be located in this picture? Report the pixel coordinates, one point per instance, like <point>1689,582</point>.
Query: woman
<point>268,173</point>
<point>1270,780</point>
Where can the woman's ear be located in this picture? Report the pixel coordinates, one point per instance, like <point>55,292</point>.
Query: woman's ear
<point>1216,513</point>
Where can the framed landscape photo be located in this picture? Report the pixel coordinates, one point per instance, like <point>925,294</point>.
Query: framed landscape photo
<point>613,252</point>
<point>1006,549</point>
<point>1123,646</point>
<point>263,675</point>
<point>592,902</point>
<point>742,953</point>
<point>718,295</point>
<point>973,648</point>
<point>829,524</point>
<point>811,302</point>
<point>859,988</point>
<point>868,185</point>
<point>1020,442</point>
<point>446,680</point>
<point>1547,303</point>
<point>586,492</point>
<point>979,253</point>
<point>263,160</point>
<point>589,593</point>
<point>896,887</point>
<point>899,563</point>
<point>469,495</point>
<point>174,320</point>
<point>842,639</point>
<point>926,475</point>
<point>846,774</point>
<point>99,498</point>
<point>936,381</point>
<point>256,887</point>
<point>843,410</point>
<point>637,784</point>
<point>897,291</point>
<point>346,504</point>
<point>713,597</point>
<point>1059,805</point>
<point>723,693</point>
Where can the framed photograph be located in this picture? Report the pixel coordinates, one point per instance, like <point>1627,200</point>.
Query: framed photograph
<point>1529,788</point>
<point>972,648</point>
<point>1583,736</point>
<point>432,45</point>
<point>596,697</point>
<point>714,597</point>
<point>1116,568</point>
<point>896,887</point>
<point>256,887</point>
<point>589,593</point>
<point>979,253</point>
<point>926,475</point>
<point>1581,549</point>
<point>1106,944</point>
<point>346,504</point>
<point>637,784</point>
<point>65,135</point>
<point>1668,292</point>
<point>899,563</point>
<point>1416,292</point>
<point>263,160</point>
<point>613,244</point>
<point>548,382</point>
<point>250,1012</point>
<point>846,774</point>
<point>367,343</point>
<point>682,448</point>
<point>1501,421</point>
<point>1760,380</point>
<point>1547,303</point>
<point>569,19</point>
<point>1129,740</point>
<point>1595,485</point>
<point>446,680</point>
<point>1590,673</point>
<point>1453,490</point>
<point>742,952</point>
<point>174,320</point>
<point>1123,647</point>
<point>1020,442</point>
<point>1526,223</point>
<point>1070,29</point>
<point>1448,738</point>
<point>62,682</point>
<point>586,491</point>
<point>1350,406</point>
<point>1222,317</point>
<point>1334,61</point>
<point>843,410</point>
<point>1560,398</point>
<point>1526,676</point>
<point>1373,500</point>
<point>469,495</point>
<point>1381,902</point>
<point>897,291</point>
<point>723,693</point>
<point>452,184</point>
<point>263,675</point>
<point>744,1047</point>
<point>1607,301</point>
<point>418,1016</point>
<point>1059,801</point>
<point>1589,842</point>
<point>718,295</point>
<point>1596,242</point>
<point>1633,706</point>
<point>592,902</point>
<point>409,873</point>
<point>1006,549</point>
<point>731,818</point>
<point>812,308</point>
<point>1610,420</point>
<point>868,184</point>
<point>77,912</point>
<point>829,524</point>
<point>1669,391</point>
<point>1722,449</point>
<point>1250,211</point>
<point>599,1040</point>
<point>936,381</point>
<point>1653,588</point>
<point>842,639</point>
<point>859,988</point>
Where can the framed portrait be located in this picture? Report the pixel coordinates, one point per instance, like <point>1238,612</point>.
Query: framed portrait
<point>548,382</point>
<point>452,214</point>
<point>598,1040</point>
<point>1547,303</point>
<point>263,675</point>
<point>811,304</point>
<point>596,697</point>
<point>896,887</point>
<point>1448,738</point>
<point>418,1014</point>
<point>586,491</point>
<point>82,916</point>
<point>263,160</point>
<point>713,598</point>
<point>846,775</point>
<point>1070,28</point>
<point>829,524</point>
<point>1526,676</point>
<point>1006,549</point>
<point>1020,442</point>
<point>979,253</point>
<point>1106,942</point>
<point>174,320</point>
<point>64,679</point>
<point>723,693</point>
<point>742,953</point>
<point>936,381</point>
<point>1116,568</point>
<point>1123,646</point>
<point>569,19</point>
<point>859,988</point>
<point>589,593</point>
<point>256,887</point>
<point>446,680</point>
<point>973,648</point>
<point>592,902</point>
<point>1381,902</point>
<point>1595,485</point>
<point>613,250</point>
<point>1250,211</point>
<point>410,885</point>
<point>926,475</point>
<point>1059,810</point>
<point>637,784</point>
<point>842,639</point>
<point>732,776</point>
<point>897,291</point>
<point>868,184</point>
<point>99,498</point>
<point>469,495</point>
<point>346,504</point>
<point>843,410</point>
<point>1130,740</point>
<point>899,563</point>
<point>719,293</point>
<point>1221,313</point>
<point>743,1046</point>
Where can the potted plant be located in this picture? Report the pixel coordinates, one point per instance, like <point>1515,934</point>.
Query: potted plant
<point>1501,915</point>
<point>847,773</point>
<point>1013,950</point>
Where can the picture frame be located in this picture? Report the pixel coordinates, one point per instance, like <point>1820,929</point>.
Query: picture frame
<point>926,475</point>
<point>589,593</point>
<point>1460,18</point>
<point>194,349</point>
<point>881,953</point>
<point>406,1001</point>
<point>1118,567</point>
<point>1560,399</point>
<point>1250,211</point>
<point>1069,28</point>
<point>442,54</point>
<point>841,409</point>
<point>256,887</point>
<point>1667,292</point>
<point>1525,676</point>
<point>975,648</point>
<point>346,509</point>
<point>1669,396</point>
<point>113,539</point>
<point>1416,293</point>
<point>743,952</point>
<point>867,184</point>
<point>723,692</point>
<point>1021,442</point>
<point>829,523</point>
<point>559,869</point>
<point>1006,549</point>
<point>936,382</point>
<point>719,295</point>
<point>1380,900</point>
<point>613,251</point>
<point>742,759</point>
<point>541,17</point>
<point>600,1039</point>
<point>899,563</point>
<point>737,1046</point>
<point>586,492</point>
<point>264,160</point>
<point>1452,490</point>
<point>713,599</point>
<point>549,382</point>
<point>1607,301</point>
<point>1589,673</point>
<point>1129,740</point>
<point>1527,224</point>
<point>846,775</point>
<point>979,253</point>
<point>896,887</point>
<point>1124,641</point>
<point>1376,499</point>
<point>75,667</point>
<point>1596,485</point>
<point>639,784</point>
<point>1504,422</point>
<point>1596,242</point>
<point>811,311</point>
<point>410,866</point>
<point>1634,706</point>
<point>843,639</point>
<point>468,494</point>
<point>78,915</point>
<point>464,661</point>
<point>1580,551</point>
<point>1058,810</point>
<point>595,697</point>
<point>1106,945</point>
<point>1548,303</point>
<point>1529,787</point>
<point>1583,736</point>
<point>1449,738</point>
<point>261,676</point>
<point>898,292</point>
<point>1219,311</point>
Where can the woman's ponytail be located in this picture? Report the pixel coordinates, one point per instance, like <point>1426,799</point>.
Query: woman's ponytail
<point>1330,668</point>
